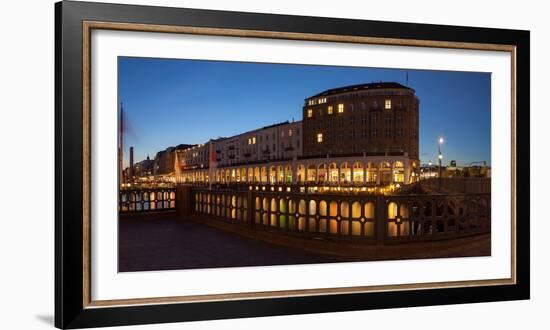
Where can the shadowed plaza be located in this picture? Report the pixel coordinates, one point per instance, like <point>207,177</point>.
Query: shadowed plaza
<point>166,243</point>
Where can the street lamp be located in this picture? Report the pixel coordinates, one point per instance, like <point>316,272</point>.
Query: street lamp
<point>440,157</point>
<point>430,169</point>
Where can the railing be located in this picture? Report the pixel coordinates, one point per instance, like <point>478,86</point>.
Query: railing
<point>146,200</point>
<point>432,217</point>
<point>459,185</point>
<point>371,218</point>
<point>227,206</point>
<point>380,219</point>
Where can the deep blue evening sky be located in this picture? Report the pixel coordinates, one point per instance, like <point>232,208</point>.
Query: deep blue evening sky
<point>168,102</point>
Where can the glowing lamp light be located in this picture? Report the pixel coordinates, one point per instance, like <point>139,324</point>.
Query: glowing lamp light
<point>440,156</point>
<point>441,140</point>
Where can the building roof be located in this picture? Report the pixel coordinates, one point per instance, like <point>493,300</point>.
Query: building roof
<point>184,146</point>
<point>360,87</point>
<point>275,125</point>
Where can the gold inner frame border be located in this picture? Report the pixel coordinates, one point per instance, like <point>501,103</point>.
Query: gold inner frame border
<point>88,26</point>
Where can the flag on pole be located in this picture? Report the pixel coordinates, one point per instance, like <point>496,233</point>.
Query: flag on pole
<point>177,169</point>
<point>212,165</point>
<point>121,147</point>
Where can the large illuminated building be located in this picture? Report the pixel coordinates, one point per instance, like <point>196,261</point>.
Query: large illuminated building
<point>361,135</point>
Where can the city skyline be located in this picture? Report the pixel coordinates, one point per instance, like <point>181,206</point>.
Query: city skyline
<point>171,101</point>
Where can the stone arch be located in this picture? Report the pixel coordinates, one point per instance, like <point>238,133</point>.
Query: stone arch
<point>280,174</point>
<point>272,175</point>
<point>385,173</point>
<point>288,174</point>
<point>311,173</point>
<point>345,172</point>
<point>358,173</point>
<point>322,173</point>
<point>398,172</point>
<point>333,173</point>
<point>301,174</point>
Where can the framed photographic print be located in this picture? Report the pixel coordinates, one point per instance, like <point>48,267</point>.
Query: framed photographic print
<point>214,164</point>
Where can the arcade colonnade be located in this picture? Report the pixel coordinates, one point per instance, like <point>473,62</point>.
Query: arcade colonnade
<point>341,171</point>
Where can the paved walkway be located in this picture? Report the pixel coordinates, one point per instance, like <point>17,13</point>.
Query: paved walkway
<point>164,244</point>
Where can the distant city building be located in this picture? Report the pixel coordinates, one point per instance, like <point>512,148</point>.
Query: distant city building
<point>428,171</point>
<point>144,168</point>
<point>164,160</point>
<point>455,171</point>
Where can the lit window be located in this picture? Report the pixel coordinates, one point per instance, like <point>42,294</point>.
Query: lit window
<point>254,140</point>
<point>387,104</point>
<point>289,132</point>
<point>320,137</point>
<point>329,110</point>
<point>340,108</point>
<point>309,113</point>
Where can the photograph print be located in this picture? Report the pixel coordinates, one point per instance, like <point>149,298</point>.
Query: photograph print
<point>241,164</point>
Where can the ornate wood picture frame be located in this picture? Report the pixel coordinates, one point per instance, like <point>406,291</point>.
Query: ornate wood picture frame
<point>75,306</point>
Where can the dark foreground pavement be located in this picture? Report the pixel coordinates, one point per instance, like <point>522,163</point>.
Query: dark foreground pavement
<point>164,244</point>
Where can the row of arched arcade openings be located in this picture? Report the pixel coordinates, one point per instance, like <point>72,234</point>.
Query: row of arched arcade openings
<point>333,173</point>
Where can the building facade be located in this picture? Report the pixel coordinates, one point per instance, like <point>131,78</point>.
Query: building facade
<point>372,119</point>
<point>275,143</point>
<point>356,135</point>
<point>164,160</point>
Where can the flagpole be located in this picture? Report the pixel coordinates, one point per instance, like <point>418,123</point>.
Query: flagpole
<point>121,147</point>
